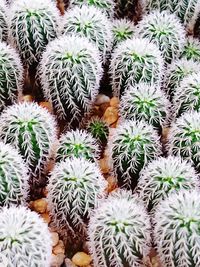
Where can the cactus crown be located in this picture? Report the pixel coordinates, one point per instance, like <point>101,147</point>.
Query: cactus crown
<point>25,239</point>
<point>164,176</point>
<point>32,25</point>
<point>176,229</point>
<point>145,102</point>
<point>73,191</point>
<point>119,232</point>
<point>191,49</point>
<point>72,87</point>
<point>134,61</point>
<point>164,30</point>
<point>3,22</point>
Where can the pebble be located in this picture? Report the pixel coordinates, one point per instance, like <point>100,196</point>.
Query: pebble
<point>81,259</point>
<point>114,102</point>
<point>27,98</point>
<point>46,217</point>
<point>59,248</point>
<point>69,263</point>
<point>54,238</point>
<point>57,260</point>
<point>110,115</point>
<point>104,166</point>
<point>101,98</point>
<point>103,107</point>
<point>39,205</point>
<point>46,105</point>
<point>112,183</point>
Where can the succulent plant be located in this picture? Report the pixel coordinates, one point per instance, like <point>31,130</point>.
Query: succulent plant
<point>145,102</point>
<point>134,61</point>
<point>191,49</point>
<point>25,238</point>
<point>32,25</point>
<point>165,30</point>
<point>91,23</point>
<point>74,188</point>
<point>119,232</point>
<point>133,9</point>
<point>184,138</point>
<point>70,73</point>
<point>176,230</point>
<point>164,176</point>
<point>30,129</point>
<point>133,144</point>
<point>3,22</point>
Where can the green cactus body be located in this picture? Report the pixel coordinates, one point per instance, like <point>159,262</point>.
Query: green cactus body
<point>191,49</point>
<point>3,22</point>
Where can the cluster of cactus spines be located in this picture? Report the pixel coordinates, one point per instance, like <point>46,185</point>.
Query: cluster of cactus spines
<point>176,230</point>
<point>133,61</point>
<point>165,30</point>
<point>164,176</point>
<point>184,138</point>
<point>11,73</point>
<point>3,22</point>
<point>70,72</point>
<point>191,49</point>
<point>89,22</point>
<point>74,189</point>
<point>14,187</point>
<point>133,144</point>
<point>119,232</point>
<point>25,238</point>
<point>32,25</point>
<point>32,130</point>
<point>145,102</point>
<point>78,144</point>
<point>132,9</point>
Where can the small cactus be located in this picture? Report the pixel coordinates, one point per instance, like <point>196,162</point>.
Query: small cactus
<point>145,102</point>
<point>25,238</point>
<point>176,230</point>
<point>70,73</point>
<point>165,31</point>
<point>163,176</point>
<point>30,129</point>
<point>73,191</point>
<point>133,144</point>
<point>3,22</point>
<point>134,61</point>
<point>191,49</point>
<point>119,232</point>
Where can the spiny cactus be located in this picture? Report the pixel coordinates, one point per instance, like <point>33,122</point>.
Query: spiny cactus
<point>133,9</point>
<point>73,191</point>
<point>79,144</point>
<point>165,31</point>
<point>176,230</point>
<point>30,129</point>
<point>134,61</point>
<point>184,138</point>
<point>32,25</point>
<point>11,73</point>
<point>70,72</point>
<point>191,49</point>
<point>145,102</point>
<point>133,144</point>
<point>163,176</point>
<point>119,232</point>
<point>3,22</point>
<point>25,238</point>
<point>89,22</point>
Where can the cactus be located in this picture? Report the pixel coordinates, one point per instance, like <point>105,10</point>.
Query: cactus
<point>73,191</point>
<point>30,129</point>
<point>133,144</point>
<point>70,73</point>
<point>163,176</point>
<point>165,31</point>
<point>11,73</point>
<point>176,230</point>
<point>25,238</point>
<point>119,232</point>
<point>90,22</point>
<point>145,102</point>
<point>3,22</point>
<point>134,61</point>
<point>191,49</point>
<point>184,138</point>
<point>32,25</point>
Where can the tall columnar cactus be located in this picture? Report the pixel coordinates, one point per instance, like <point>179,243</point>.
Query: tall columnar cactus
<point>191,49</point>
<point>89,22</point>
<point>119,232</point>
<point>30,129</point>
<point>164,176</point>
<point>165,31</point>
<point>70,73</point>
<point>184,138</point>
<point>32,25</point>
<point>3,22</point>
<point>11,75</point>
<point>145,102</point>
<point>133,9</point>
<point>25,238</point>
<point>176,230</point>
<point>133,144</point>
<point>73,191</point>
<point>134,61</point>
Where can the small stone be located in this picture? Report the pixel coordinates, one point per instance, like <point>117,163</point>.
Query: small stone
<point>112,183</point>
<point>114,102</point>
<point>110,115</point>
<point>103,107</point>
<point>54,238</point>
<point>46,217</point>
<point>57,260</point>
<point>59,248</point>
<point>104,166</point>
<point>69,263</point>
<point>27,98</point>
<point>101,98</point>
<point>81,259</point>
<point>39,205</point>
<point>46,105</point>
<point>165,132</point>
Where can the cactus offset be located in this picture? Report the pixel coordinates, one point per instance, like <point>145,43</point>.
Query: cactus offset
<point>191,49</point>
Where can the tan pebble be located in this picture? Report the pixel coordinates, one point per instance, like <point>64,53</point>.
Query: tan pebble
<point>59,248</point>
<point>114,125</point>
<point>101,98</point>
<point>110,115</point>
<point>27,98</point>
<point>57,260</point>
<point>40,205</point>
<point>112,183</point>
<point>165,132</point>
<point>54,238</point>
<point>46,217</point>
<point>81,259</point>
<point>46,105</point>
<point>103,107</point>
<point>103,163</point>
<point>114,102</point>
<point>69,263</point>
